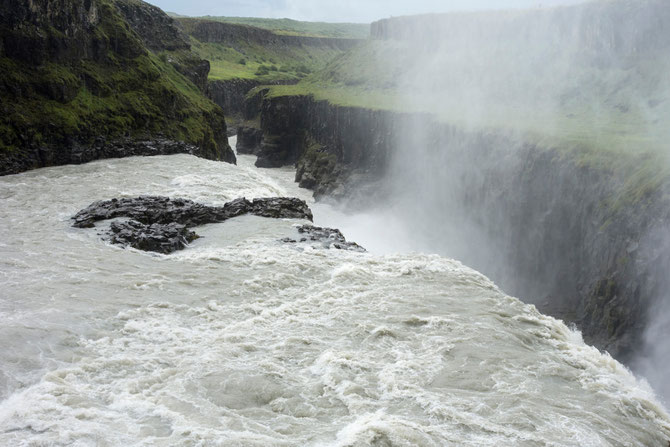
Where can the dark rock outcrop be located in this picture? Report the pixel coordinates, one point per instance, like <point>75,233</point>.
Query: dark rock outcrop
<point>163,210</point>
<point>249,140</point>
<point>327,238</point>
<point>159,238</point>
<point>161,224</point>
<point>231,94</point>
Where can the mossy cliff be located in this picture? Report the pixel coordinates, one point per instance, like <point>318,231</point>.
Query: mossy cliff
<point>82,80</point>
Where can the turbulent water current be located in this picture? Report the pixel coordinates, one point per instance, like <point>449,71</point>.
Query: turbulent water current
<point>242,340</point>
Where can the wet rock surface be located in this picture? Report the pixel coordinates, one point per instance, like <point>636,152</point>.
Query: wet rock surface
<point>248,140</point>
<point>328,238</point>
<point>161,224</point>
<point>160,238</point>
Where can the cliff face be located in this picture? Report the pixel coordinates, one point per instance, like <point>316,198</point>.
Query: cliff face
<point>231,96</point>
<point>617,28</point>
<point>231,34</point>
<point>540,224</point>
<point>154,27</point>
<point>65,21</point>
<point>330,145</point>
<point>79,78</point>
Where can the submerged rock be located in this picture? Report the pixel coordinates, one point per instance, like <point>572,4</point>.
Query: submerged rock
<point>160,224</point>
<point>326,237</point>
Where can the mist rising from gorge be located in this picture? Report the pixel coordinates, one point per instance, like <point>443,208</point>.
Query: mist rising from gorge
<point>587,82</point>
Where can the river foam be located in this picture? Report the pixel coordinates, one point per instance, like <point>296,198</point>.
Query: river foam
<point>242,340</point>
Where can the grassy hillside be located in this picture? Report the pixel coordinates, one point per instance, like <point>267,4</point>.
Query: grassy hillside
<point>106,83</point>
<point>298,28</point>
<point>240,51</point>
<point>249,60</point>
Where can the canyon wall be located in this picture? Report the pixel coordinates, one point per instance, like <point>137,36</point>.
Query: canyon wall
<point>567,237</point>
<point>232,34</point>
<point>614,28</point>
<point>231,96</point>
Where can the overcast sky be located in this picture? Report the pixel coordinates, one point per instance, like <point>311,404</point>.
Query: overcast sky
<point>363,11</point>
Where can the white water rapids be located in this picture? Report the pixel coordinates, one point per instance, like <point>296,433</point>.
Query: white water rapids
<point>241,340</point>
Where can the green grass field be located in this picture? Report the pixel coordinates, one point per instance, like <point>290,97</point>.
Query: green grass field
<point>252,61</point>
<point>298,28</point>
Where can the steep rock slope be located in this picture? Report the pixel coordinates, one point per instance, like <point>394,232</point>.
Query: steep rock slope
<point>100,78</point>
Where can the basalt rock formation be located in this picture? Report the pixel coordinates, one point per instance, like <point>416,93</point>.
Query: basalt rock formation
<point>160,224</point>
<point>335,148</point>
<point>95,75</point>
<point>231,94</point>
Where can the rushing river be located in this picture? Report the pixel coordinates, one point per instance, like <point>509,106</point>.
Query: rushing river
<point>241,340</point>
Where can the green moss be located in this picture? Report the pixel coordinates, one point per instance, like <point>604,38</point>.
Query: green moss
<point>127,91</point>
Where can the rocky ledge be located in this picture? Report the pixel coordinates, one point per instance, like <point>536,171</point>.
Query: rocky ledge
<point>161,224</point>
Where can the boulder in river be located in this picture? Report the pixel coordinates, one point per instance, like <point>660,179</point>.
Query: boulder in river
<point>163,210</point>
<point>160,224</point>
<point>326,237</point>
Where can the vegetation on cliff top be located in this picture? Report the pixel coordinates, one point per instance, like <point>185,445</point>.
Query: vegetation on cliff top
<point>249,52</point>
<point>249,60</point>
<point>299,28</point>
<point>112,86</point>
